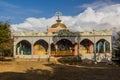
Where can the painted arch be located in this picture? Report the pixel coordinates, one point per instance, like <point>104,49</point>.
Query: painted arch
<point>40,47</point>
<point>63,47</point>
<point>86,46</point>
<point>102,46</point>
<point>23,48</point>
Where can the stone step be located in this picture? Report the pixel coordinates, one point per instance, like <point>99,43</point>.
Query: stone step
<point>31,59</point>
<point>37,59</point>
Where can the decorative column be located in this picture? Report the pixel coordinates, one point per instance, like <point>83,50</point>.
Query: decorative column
<point>91,48</point>
<point>49,50</point>
<point>110,47</point>
<point>104,46</point>
<point>78,46</point>
<point>15,54</point>
<point>32,50</point>
<point>98,47</point>
<point>14,50</point>
<point>49,47</point>
<point>56,48</point>
<point>76,50</point>
<point>94,46</point>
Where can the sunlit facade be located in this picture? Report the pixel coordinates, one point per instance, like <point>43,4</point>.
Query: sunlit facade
<point>60,41</point>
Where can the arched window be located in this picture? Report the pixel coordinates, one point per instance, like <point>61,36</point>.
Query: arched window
<point>23,48</point>
<point>63,47</point>
<point>86,46</point>
<point>102,46</point>
<point>40,47</point>
<point>64,44</point>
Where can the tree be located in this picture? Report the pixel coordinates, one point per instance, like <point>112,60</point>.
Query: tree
<point>6,42</point>
<point>63,33</point>
<point>116,45</point>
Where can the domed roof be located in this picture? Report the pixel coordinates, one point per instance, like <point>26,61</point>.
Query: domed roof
<point>58,24</point>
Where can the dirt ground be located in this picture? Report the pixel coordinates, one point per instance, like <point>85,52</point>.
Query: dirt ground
<point>36,70</point>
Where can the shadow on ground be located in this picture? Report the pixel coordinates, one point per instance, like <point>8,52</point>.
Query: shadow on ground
<point>6,59</point>
<point>65,72</point>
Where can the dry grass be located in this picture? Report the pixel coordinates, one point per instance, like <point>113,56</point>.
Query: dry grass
<point>35,70</point>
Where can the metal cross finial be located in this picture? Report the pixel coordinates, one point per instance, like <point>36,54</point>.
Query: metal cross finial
<point>58,14</point>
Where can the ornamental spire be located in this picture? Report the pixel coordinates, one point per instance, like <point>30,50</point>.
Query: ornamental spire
<point>58,14</point>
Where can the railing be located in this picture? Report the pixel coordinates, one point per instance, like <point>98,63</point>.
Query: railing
<point>62,53</point>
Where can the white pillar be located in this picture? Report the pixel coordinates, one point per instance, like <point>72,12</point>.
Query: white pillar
<point>14,53</point>
<point>49,48</point>
<point>32,50</point>
<point>111,47</point>
<point>94,36</point>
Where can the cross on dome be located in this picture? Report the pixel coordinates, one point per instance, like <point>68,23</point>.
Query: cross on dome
<point>58,24</point>
<point>58,14</point>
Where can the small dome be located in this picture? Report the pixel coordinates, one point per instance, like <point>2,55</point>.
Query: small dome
<point>58,24</point>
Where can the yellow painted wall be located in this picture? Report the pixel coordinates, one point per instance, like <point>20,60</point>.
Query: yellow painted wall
<point>39,50</point>
<point>83,51</point>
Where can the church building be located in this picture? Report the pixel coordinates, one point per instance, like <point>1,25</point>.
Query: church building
<point>60,41</point>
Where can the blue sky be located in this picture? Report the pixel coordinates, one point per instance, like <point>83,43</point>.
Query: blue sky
<point>79,15</point>
<point>16,11</point>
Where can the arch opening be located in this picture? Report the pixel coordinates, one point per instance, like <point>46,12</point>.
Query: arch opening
<point>40,47</point>
<point>23,48</point>
<point>63,47</point>
<point>86,46</point>
<point>102,46</point>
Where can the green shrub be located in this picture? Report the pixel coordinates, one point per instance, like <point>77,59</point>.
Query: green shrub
<point>70,60</point>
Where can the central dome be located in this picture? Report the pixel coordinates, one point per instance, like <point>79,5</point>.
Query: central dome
<point>58,24</point>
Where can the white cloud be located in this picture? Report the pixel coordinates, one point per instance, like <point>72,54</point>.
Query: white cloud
<point>97,5</point>
<point>37,24</point>
<point>107,17</point>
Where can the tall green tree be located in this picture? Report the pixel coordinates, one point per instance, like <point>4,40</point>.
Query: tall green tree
<point>5,38</point>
